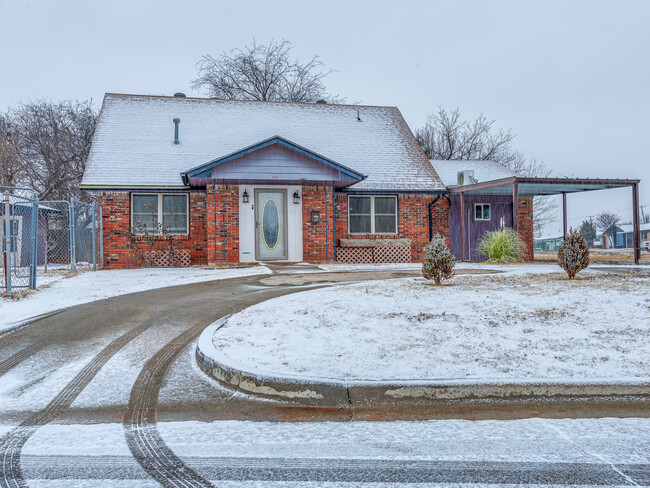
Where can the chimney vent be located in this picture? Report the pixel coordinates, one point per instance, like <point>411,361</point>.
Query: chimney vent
<point>176,122</point>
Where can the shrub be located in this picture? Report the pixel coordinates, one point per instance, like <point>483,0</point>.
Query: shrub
<point>573,253</point>
<point>438,261</point>
<point>502,246</point>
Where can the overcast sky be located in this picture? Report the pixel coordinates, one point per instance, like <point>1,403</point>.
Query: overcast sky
<point>572,79</point>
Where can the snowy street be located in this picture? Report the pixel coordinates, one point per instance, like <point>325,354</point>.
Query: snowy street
<point>108,393</point>
<point>240,453</point>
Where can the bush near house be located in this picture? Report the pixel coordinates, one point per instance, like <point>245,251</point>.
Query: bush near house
<point>438,262</point>
<point>573,253</point>
<point>502,246</point>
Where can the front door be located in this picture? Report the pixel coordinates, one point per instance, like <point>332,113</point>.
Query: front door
<point>270,224</point>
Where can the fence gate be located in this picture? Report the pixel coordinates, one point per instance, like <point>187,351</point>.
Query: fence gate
<point>19,235</point>
<point>72,238</point>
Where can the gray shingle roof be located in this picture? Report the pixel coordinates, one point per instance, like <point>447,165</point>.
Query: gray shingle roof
<point>134,140</point>
<point>483,170</point>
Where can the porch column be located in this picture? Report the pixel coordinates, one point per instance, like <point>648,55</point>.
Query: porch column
<point>462,226</point>
<point>564,218</point>
<point>636,239</point>
<point>515,205</point>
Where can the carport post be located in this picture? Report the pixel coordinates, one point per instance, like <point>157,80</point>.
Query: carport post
<point>564,219</point>
<point>636,239</point>
<point>462,226</point>
<point>515,205</point>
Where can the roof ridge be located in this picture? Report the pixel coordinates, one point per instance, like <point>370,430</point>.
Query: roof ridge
<point>210,99</point>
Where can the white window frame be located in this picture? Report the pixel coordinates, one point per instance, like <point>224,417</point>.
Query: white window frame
<point>160,212</point>
<point>483,205</point>
<point>372,216</point>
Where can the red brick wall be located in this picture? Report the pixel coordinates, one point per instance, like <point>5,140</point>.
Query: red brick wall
<point>222,223</point>
<point>212,230</point>
<point>413,221</point>
<point>116,220</point>
<point>525,222</point>
<point>317,238</point>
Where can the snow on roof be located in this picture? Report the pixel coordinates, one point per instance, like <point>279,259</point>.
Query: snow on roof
<point>134,139</point>
<point>630,228</point>
<point>483,170</point>
<point>549,237</point>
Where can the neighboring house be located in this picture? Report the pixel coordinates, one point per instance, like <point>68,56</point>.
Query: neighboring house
<point>549,242</point>
<point>483,213</point>
<point>623,236</point>
<point>245,181</point>
<point>21,234</point>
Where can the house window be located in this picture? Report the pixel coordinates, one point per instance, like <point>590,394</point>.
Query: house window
<point>482,211</point>
<point>153,212</point>
<point>372,214</point>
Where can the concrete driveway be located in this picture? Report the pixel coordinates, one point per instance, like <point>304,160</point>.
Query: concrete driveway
<point>129,360</point>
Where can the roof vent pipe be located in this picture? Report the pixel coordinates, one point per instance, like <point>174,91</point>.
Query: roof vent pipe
<point>176,122</point>
<point>358,116</point>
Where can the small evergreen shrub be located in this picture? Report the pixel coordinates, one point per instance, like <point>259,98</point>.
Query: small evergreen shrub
<point>573,253</point>
<point>438,262</point>
<point>502,246</point>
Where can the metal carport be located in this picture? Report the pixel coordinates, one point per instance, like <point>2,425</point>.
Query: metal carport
<point>524,186</point>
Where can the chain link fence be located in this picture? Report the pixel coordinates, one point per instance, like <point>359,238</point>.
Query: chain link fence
<point>18,232</point>
<point>45,239</point>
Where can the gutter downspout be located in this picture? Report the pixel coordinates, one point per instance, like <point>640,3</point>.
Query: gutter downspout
<point>433,202</point>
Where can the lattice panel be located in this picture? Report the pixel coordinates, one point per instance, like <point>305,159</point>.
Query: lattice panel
<point>163,258</point>
<point>401,254</point>
<point>354,254</point>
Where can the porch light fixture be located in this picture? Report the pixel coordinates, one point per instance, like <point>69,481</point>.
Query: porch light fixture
<point>296,197</point>
<point>244,197</point>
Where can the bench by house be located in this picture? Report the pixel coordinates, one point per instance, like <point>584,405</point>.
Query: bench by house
<point>374,251</point>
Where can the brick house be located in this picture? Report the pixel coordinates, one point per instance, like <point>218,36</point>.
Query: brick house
<point>245,181</point>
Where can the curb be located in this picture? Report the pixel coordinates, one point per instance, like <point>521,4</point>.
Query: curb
<point>12,327</point>
<point>327,392</point>
<point>306,392</point>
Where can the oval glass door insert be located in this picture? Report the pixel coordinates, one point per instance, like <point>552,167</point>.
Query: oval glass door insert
<point>270,224</point>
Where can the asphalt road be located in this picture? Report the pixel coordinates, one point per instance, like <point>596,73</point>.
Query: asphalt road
<point>128,360</point>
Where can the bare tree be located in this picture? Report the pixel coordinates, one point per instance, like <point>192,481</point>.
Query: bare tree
<point>607,222</point>
<point>645,217</point>
<point>53,142</point>
<point>265,73</point>
<point>447,136</point>
<point>12,171</point>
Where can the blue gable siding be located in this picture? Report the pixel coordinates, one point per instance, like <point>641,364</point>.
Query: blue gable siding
<point>275,162</point>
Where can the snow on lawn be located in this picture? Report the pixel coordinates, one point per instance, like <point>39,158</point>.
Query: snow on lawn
<point>504,326</point>
<point>59,291</point>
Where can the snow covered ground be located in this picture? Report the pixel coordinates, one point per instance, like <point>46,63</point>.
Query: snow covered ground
<point>59,290</point>
<point>528,323</point>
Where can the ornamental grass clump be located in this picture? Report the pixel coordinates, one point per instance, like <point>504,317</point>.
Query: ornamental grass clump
<point>438,262</point>
<point>502,246</point>
<point>573,253</point>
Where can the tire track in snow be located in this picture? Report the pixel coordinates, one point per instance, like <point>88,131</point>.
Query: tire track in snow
<point>8,338</point>
<point>18,357</point>
<point>11,444</point>
<point>142,436</point>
